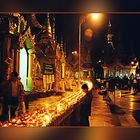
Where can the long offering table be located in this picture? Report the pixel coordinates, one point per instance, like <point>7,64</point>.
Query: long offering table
<point>61,113</point>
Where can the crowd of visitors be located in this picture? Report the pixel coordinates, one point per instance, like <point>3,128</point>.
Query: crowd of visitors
<point>123,83</point>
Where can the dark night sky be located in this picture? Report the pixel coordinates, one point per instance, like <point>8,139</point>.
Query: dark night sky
<point>124,25</point>
<point>127,25</point>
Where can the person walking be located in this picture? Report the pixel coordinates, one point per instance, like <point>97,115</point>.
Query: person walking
<point>85,110</point>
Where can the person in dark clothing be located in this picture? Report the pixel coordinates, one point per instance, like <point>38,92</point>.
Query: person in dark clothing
<point>13,96</point>
<point>132,77</point>
<point>111,85</point>
<point>135,85</point>
<point>85,110</point>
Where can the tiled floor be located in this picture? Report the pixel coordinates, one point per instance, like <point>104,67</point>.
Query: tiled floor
<point>101,115</point>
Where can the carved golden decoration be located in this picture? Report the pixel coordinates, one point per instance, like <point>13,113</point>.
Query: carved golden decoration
<point>22,38</point>
<point>21,20</point>
<point>12,27</point>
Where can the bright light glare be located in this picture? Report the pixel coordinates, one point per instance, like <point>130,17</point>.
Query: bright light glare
<point>75,52</point>
<point>23,67</point>
<point>89,84</point>
<point>132,62</point>
<point>47,119</point>
<point>96,16</point>
<point>131,103</point>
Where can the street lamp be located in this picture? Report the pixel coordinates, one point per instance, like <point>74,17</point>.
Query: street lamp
<point>82,19</point>
<point>96,16</point>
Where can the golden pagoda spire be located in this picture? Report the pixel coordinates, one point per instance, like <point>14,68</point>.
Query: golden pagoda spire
<point>65,51</point>
<point>61,44</point>
<point>109,24</point>
<point>110,35</point>
<point>47,26</point>
<point>53,27</point>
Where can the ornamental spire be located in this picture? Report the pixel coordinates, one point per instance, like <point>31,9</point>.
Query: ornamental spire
<point>53,27</point>
<point>47,26</point>
<point>61,44</point>
<point>110,35</point>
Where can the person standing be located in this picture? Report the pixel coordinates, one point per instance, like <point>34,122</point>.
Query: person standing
<point>85,110</point>
<point>13,95</point>
<point>111,85</point>
<point>132,77</point>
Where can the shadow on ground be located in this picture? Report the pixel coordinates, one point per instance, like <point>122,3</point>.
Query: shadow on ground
<point>115,109</point>
<point>136,101</point>
<point>136,115</point>
<point>125,92</point>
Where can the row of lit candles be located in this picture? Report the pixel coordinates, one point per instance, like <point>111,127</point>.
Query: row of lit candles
<point>43,116</point>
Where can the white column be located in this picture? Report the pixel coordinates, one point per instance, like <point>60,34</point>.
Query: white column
<point>30,63</point>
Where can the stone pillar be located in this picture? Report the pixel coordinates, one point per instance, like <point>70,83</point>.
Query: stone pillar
<point>29,77</point>
<point>1,61</point>
<point>63,85</point>
<point>7,45</point>
<point>17,60</point>
<point>56,76</point>
<point>6,54</point>
<point>45,85</point>
<point>16,57</point>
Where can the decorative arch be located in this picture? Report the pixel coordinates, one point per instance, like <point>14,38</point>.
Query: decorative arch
<point>30,50</point>
<point>27,43</point>
<point>27,36</point>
